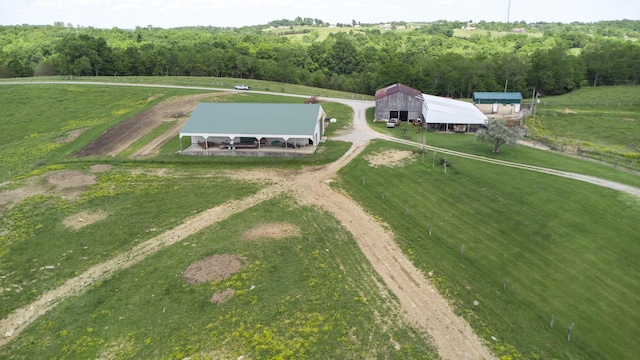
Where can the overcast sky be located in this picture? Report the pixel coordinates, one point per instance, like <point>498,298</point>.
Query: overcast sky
<point>127,14</point>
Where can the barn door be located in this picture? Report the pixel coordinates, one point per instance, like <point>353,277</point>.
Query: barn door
<point>404,116</point>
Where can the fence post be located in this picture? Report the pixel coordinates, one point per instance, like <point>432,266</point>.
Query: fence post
<point>569,331</point>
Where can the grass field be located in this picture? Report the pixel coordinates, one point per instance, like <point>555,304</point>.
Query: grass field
<point>602,121</point>
<point>310,295</point>
<point>565,248</point>
<point>535,245</point>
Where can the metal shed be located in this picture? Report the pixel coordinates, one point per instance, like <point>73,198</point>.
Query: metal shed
<point>504,98</point>
<point>234,126</point>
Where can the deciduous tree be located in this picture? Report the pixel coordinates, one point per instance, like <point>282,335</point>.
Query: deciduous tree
<point>498,133</point>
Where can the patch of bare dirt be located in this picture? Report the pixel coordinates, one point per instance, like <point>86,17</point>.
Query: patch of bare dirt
<point>390,158</point>
<point>70,179</point>
<point>122,135</point>
<point>212,269</point>
<point>12,197</point>
<point>181,115</point>
<point>221,296</point>
<point>271,230</point>
<point>70,184</point>
<point>568,111</point>
<point>83,219</point>
<point>100,168</point>
<point>71,135</point>
<point>627,119</point>
<point>66,184</point>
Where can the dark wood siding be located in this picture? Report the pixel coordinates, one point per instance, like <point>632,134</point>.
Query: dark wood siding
<point>399,103</point>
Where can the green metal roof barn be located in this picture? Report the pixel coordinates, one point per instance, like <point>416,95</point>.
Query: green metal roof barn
<point>504,98</point>
<point>236,124</point>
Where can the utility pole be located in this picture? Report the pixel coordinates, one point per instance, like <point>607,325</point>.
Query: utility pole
<point>533,96</point>
<point>535,107</point>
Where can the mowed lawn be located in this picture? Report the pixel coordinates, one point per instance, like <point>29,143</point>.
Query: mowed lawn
<point>523,246</point>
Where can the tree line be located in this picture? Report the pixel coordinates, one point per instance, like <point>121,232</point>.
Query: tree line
<point>552,58</point>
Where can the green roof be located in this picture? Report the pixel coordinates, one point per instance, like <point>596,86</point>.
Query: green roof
<point>255,120</point>
<point>490,97</point>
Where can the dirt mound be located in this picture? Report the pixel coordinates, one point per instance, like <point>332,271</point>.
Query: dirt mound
<point>222,296</point>
<point>391,158</point>
<point>212,269</point>
<point>84,218</point>
<point>271,230</point>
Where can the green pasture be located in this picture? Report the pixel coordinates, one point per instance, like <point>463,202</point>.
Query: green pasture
<point>604,122</point>
<point>566,249</point>
<point>309,295</point>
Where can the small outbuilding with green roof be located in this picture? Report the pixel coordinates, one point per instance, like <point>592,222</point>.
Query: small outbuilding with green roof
<point>251,127</point>
<point>498,102</point>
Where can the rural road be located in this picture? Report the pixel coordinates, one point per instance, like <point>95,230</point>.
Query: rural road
<point>424,307</point>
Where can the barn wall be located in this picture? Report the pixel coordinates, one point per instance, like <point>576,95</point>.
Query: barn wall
<point>502,109</point>
<point>398,102</point>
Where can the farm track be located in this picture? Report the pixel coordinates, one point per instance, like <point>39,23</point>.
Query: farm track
<point>424,306</point>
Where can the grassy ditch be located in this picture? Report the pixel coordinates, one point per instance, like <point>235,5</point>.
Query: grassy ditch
<point>306,293</point>
<point>522,246</point>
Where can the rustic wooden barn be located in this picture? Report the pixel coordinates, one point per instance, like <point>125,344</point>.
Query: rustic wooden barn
<point>398,101</point>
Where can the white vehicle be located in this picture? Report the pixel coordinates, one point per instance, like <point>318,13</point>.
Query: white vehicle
<point>393,122</point>
<point>242,87</point>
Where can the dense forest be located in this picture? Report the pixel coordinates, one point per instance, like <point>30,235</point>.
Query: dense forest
<point>438,58</point>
